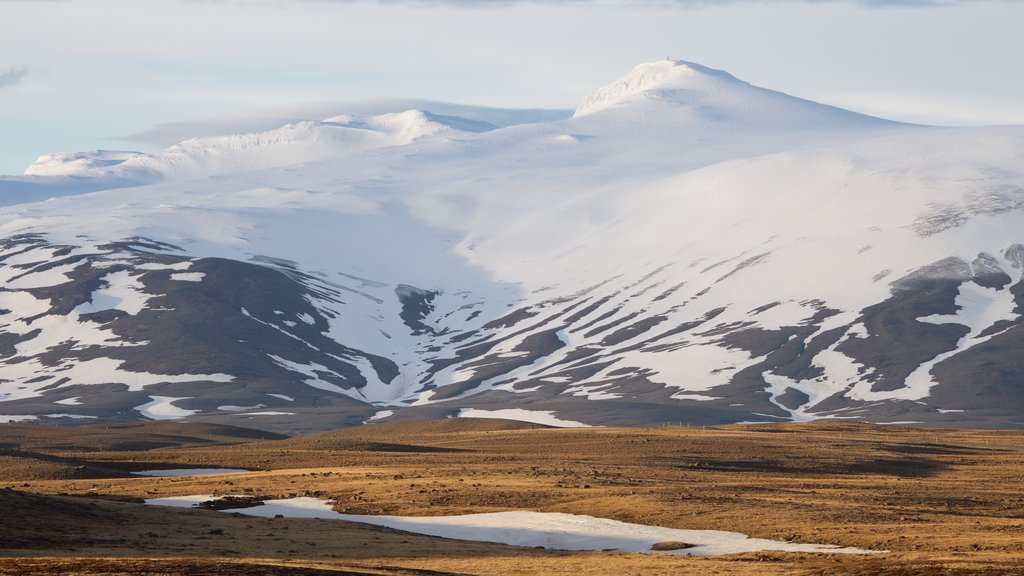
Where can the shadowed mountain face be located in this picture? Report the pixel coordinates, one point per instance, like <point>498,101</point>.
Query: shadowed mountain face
<point>686,248</point>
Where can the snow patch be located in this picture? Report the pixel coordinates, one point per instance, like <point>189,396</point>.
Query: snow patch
<point>546,417</point>
<point>163,408</point>
<point>553,530</point>
<point>7,419</point>
<point>188,276</point>
<point>123,291</point>
<point>380,415</point>
<point>229,408</point>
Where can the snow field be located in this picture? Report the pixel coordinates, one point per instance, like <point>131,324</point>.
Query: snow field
<point>531,529</point>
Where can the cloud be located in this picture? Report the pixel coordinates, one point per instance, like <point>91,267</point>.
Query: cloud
<point>12,77</point>
<point>656,3</point>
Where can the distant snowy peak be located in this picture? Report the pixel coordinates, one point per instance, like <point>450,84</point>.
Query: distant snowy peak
<point>290,144</point>
<point>706,95</point>
<point>295,143</point>
<point>644,80</point>
<point>414,123</point>
<point>77,163</point>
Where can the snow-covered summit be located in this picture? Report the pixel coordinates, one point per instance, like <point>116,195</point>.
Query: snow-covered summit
<point>647,80</point>
<point>77,163</point>
<point>689,247</point>
<point>709,96</point>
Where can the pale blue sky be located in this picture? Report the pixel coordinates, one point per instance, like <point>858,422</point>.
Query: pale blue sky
<point>87,74</point>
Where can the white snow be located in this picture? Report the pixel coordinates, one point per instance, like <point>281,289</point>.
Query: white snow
<point>42,279</point>
<point>188,276</point>
<point>546,417</point>
<point>73,401</point>
<point>230,408</point>
<point>531,529</point>
<point>380,415</point>
<point>163,408</point>
<point>697,397</point>
<point>7,419</point>
<point>282,397</point>
<point>155,266</point>
<point>123,291</point>
<point>74,163</point>
<point>181,501</point>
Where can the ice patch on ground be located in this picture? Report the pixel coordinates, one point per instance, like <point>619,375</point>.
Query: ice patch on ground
<point>531,529</point>
<point>188,276</point>
<point>381,414</point>
<point>229,408</point>
<point>122,292</point>
<point>163,408</point>
<point>7,419</point>
<point>546,417</point>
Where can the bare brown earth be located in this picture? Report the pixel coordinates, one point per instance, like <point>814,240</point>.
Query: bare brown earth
<point>941,502</point>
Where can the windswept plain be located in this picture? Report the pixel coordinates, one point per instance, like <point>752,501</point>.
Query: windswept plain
<point>935,501</point>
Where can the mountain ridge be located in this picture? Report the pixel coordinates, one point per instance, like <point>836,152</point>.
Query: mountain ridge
<point>634,264</point>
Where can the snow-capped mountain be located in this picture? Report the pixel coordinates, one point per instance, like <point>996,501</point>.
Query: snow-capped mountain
<point>685,247</point>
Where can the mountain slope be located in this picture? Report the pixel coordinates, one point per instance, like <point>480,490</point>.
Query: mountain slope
<point>687,247</point>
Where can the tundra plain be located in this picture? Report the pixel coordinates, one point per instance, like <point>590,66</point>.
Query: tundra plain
<point>946,502</point>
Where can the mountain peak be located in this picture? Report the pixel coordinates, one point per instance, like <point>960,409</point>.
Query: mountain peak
<point>654,77</point>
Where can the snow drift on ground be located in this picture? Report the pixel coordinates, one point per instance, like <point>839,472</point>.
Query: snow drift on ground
<point>531,529</point>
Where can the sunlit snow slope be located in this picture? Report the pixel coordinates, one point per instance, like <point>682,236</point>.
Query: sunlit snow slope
<point>686,247</point>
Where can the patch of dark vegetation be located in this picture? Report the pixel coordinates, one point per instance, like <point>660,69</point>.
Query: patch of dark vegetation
<point>932,449</point>
<point>671,545</point>
<point>905,467</point>
<point>232,502</point>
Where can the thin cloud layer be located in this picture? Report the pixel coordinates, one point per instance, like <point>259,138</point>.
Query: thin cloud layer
<point>12,77</point>
<point>649,3</point>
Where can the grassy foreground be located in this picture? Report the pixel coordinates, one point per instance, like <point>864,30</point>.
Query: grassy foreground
<point>939,501</point>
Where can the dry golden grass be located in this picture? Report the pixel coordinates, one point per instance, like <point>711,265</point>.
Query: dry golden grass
<point>942,502</point>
